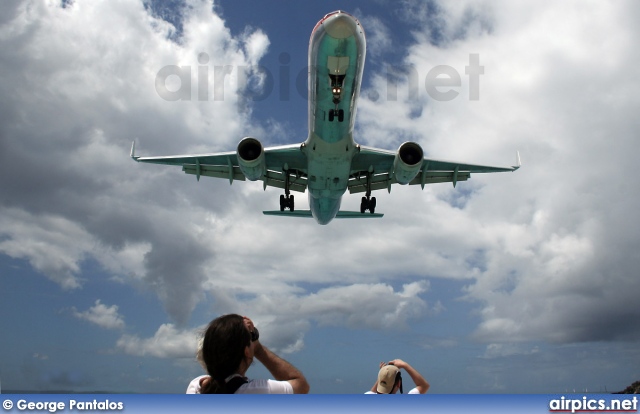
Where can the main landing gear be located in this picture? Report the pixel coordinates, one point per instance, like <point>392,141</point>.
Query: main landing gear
<point>286,199</point>
<point>368,202</point>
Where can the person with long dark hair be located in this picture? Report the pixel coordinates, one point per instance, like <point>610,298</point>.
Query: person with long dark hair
<point>230,344</point>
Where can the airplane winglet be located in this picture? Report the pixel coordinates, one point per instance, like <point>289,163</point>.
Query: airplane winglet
<point>133,151</point>
<point>518,162</point>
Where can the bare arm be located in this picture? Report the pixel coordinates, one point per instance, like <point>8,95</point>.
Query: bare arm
<point>281,369</point>
<point>421,384</point>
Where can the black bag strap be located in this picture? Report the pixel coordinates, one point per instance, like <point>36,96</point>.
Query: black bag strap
<point>234,383</point>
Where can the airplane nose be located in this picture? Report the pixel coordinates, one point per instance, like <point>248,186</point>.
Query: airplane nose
<point>340,25</point>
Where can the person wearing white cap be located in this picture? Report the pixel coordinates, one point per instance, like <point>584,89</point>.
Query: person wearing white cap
<point>390,379</point>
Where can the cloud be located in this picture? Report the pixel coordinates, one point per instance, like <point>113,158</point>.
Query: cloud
<point>553,250</point>
<point>546,253</point>
<point>506,350</point>
<point>50,243</point>
<point>378,35</point>
<point>102,315</point>
<point>365,305</point>
<point>76,96</point>
<point>284,319</point>
<point>442,24</point>
<point>167,342</point>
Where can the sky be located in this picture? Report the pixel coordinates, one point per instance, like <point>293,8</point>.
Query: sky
<point>523,282</point>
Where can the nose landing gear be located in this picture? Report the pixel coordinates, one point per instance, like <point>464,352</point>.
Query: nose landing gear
<point>338,112</point>
<point>336,91</point>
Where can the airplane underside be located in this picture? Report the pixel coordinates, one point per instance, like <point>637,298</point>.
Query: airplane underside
<point>329,163</point>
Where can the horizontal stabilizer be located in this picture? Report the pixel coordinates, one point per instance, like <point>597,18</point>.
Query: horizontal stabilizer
<point>295,213</point>
<point>357,214</point>
<point>307,213</point>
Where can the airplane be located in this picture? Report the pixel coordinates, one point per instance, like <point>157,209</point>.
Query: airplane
<point>329,162</point>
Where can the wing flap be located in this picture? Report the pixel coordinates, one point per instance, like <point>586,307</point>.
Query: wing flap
<point>433,177</point>
<point>276,179</point>
<point>382,181</point>
<point>217,171</point>
<point>273,178</point>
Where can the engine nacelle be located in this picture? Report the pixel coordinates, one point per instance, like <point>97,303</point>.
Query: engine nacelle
<point>251,158</point>
<point>407,162</point>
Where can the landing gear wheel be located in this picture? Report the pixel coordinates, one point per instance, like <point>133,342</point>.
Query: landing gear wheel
<point>368,203</point>
<point>286,201</point>
<point>332,114</point>
<point>340,115</point>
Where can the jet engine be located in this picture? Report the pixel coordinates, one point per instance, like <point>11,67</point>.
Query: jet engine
<point>407,162</point>
<point>251,158</point>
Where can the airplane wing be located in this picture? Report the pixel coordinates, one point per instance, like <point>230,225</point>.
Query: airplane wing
<point>378,164</point>
<point>279,162</point>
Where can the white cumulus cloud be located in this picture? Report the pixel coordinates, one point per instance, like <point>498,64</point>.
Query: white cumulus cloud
<point>102,315</point>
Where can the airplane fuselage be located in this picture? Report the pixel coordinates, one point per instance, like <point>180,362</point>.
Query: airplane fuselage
<point>336,61</point>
